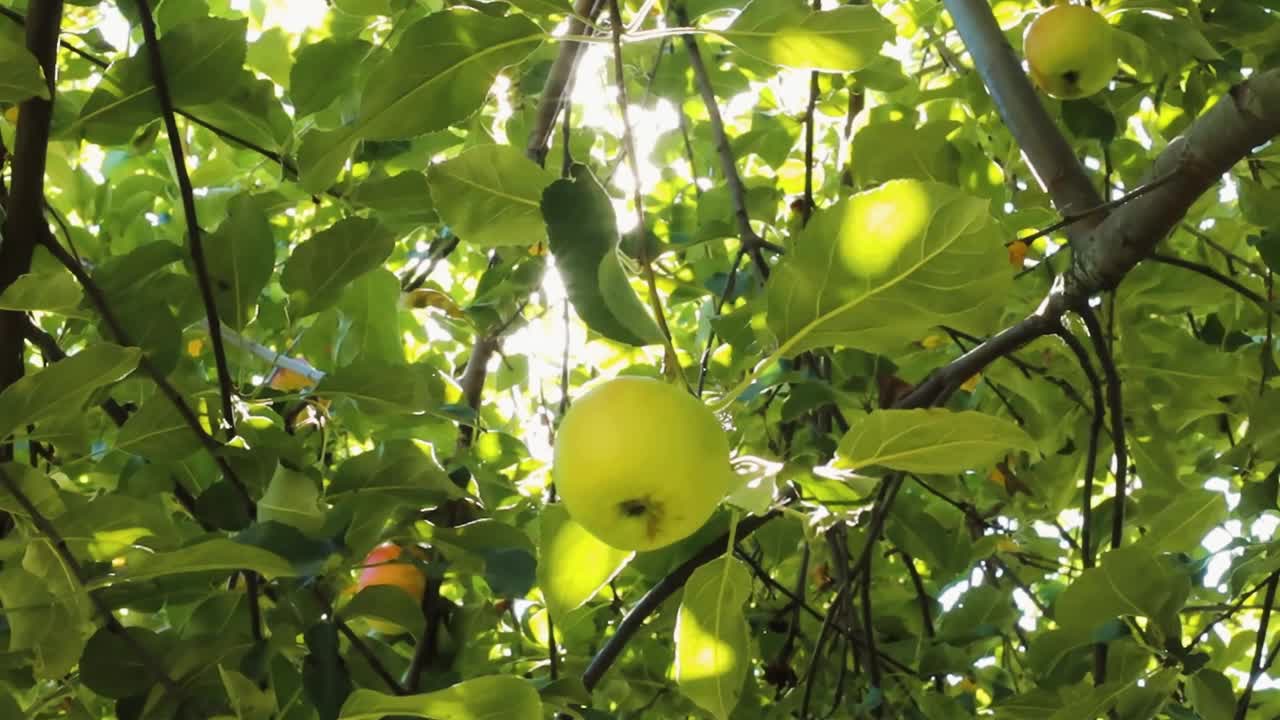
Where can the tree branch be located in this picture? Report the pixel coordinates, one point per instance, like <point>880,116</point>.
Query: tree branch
<point>633,159</point>
<point>195,242</point>
<point>665,588</point>
<point>728,164</point>
<point>1044,146</point>
<point>1260,649</point>
<point>1115,402</point>
<point>99,300</point>
<point>24,204</point>
<point>1225,280</point>
<point>554,95</point>
<point>1095,433</point>
<point>1243,119</point>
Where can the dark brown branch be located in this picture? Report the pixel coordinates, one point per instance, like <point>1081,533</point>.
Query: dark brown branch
<point>24,203</point>
<point>633,161</point>
<point>815,661</point>
<point>799,601</point>
<point>425,651</point>
<point>195,242</point>
<point>665,588</point>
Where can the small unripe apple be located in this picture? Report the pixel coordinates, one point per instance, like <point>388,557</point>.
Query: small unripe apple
<point>640,464</point>
<point>389,564</point>
<point>1070,51</point>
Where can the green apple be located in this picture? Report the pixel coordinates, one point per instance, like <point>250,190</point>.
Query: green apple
<point>1070,51</point>
<point>640,464</point>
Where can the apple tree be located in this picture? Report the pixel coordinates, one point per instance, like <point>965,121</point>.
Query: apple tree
<point>295,295</point>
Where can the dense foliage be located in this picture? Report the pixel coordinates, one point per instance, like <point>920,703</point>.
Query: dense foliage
<point>281,282</point>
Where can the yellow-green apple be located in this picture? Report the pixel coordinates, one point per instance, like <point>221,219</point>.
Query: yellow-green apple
<point>640,463</point>
<point>1070,50</point>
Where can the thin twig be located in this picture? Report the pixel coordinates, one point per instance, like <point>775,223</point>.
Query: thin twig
<point>1069,219</point>
<point>1115,402</point>
<point>1260,648</point>
<point>1095,431</point>
<point>633,161</point>
<point>728,164</point>
<point>195,242</point>
<point>1217,277</point>
<point>99,300</point>
<point>729,287</point>
<point>665,588</point>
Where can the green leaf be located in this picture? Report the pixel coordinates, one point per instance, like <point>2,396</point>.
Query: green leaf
<point>490,195</point>
<point>1185,521</point>
<point>38,488</point>
<point>40,622</point>
<point>789,33</point>
<point>584,240</point>
<point>217,554</point>
<point>439,74</point>
<point>883,267</point>
<point>249,701</point>
<point>388,603</point>
<point>713,642</point>
<point>573,565</point>
<point>53,291</point>
<point>1212,695</point>
<point>203,60</point>
<point>241,256</point>
<point>1130,581</point>
<point>370,305</point>
<point>20,74</point>
<point>933,441</point>
<point>891,150</point>
<point>1143,703</point>
<point>251,111</point>
<point>401,199</point>
<point>1095,703</point>
<point>65,386</point>
<point>109,525</point>
<point>158,432</point>
<point>319,268</point>
<point>483,698</point>
<point>292,498</point>
<point>405,468</point>
<point>383,389</point>
<point>324,673</point>
<point>112,666</point>
<point>312,85</point>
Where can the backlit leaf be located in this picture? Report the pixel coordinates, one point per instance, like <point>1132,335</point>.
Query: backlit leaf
<point>933,441</point>
<point>713,651</point>
<point>883,267</point>
<point>490,195</point>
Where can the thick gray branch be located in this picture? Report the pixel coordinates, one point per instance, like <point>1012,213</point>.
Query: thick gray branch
<point>1044,146</point>
<point>1245,118</point>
